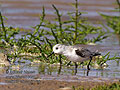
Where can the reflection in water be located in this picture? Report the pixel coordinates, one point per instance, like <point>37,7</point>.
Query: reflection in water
<point>75,71</point>
<point>45,69</point>
<point>88,72</point>
<point>59,70</point>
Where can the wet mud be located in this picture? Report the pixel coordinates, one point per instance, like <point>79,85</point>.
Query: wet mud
<point>55,84</point>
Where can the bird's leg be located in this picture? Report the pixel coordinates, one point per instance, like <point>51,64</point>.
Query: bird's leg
<point>88,68</point>
<point>87,72</point>
<point>60,60</point>
<point>60,64</point>
<point>75,67</point>
<point>59,70</point>
<point>89,63</point>
<point>69,63</point>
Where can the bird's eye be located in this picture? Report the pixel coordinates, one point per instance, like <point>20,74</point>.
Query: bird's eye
<point>56,48</point>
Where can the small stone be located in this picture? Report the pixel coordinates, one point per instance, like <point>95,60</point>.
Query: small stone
<point>65,88</point>
<point>4,59</point>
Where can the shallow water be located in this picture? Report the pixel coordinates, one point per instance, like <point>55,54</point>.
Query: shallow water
<point>31,70</point>
<point>25,13</point>
<point>43,70</point>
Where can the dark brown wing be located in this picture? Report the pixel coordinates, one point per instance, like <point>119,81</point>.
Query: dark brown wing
<point>83,52</point>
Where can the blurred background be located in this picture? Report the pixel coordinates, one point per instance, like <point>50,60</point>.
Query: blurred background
<point>25,13</point>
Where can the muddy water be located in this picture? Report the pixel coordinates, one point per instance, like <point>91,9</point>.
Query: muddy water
<point>25,13</point>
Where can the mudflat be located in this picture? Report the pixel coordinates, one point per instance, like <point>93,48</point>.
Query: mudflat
<point>66,83</point>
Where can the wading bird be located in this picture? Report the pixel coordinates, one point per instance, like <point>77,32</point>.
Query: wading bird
<point>75,54</point>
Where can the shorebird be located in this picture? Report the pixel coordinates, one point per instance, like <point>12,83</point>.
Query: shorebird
<point>75,54</point>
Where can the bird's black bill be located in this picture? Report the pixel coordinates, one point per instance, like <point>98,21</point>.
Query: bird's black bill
<point>50,54</point>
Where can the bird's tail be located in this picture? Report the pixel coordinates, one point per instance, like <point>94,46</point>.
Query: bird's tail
<point>96,53</point>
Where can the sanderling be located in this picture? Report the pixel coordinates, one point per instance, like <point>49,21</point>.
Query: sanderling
<point>75,54</point>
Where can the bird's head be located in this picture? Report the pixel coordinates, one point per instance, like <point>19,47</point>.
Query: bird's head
<point>57,49</point>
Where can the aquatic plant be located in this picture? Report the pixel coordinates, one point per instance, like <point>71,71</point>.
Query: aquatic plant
<point>7,34</point>
<point>103,59</point>
<point>74,30</point>
<point>113,21</point>
<point>111,86</point>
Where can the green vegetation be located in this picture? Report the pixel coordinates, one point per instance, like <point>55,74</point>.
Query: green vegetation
<point>7,34</point>
<point>39,44</point>
<point>113,86</point>
<point>113,21</point>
